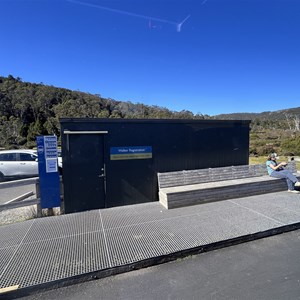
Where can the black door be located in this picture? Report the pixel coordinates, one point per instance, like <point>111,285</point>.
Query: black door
<point>84,170</point>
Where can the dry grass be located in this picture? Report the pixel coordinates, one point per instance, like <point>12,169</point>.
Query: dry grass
<point>257,160</point>
<point>262,159</point>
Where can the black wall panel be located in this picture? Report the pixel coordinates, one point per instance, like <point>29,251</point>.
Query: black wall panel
<point>176,145</point>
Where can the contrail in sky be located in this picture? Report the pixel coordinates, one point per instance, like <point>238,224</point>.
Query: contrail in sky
<point>178,25</point>
<point>181,23</point>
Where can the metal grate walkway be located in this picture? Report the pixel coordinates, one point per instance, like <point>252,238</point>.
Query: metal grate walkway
<point>45,250</point>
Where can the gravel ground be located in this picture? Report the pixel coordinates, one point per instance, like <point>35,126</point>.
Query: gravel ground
<point>14,215</point>
<point>8,193</point>
<point>22,214</point>
<point>17,215</point>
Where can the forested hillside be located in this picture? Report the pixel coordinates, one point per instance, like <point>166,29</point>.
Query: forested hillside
<point>28,110</point>
<point>277,131</point>
<point>279,115</point>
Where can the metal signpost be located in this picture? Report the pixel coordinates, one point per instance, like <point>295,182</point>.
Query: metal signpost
<point>48,171</point>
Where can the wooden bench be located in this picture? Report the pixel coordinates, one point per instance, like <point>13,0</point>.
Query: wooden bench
<point>182,188</point>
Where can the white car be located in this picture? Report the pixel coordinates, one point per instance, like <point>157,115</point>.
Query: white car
<point>16,164</point>
<point>59,161</point>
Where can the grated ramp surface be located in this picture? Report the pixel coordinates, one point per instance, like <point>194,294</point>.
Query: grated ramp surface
<point>49,260</point>
<point>48,249</point>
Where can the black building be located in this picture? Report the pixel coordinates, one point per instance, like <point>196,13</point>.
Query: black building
<point>114,162</point>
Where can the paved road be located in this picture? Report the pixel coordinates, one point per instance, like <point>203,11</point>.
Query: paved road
<point>263,269</point>
<point>9,193</point>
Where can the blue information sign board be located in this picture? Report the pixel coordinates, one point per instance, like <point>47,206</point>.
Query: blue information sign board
<point>48,171</point>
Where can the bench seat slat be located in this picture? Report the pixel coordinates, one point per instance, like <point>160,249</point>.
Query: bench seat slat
<point>190,187</point>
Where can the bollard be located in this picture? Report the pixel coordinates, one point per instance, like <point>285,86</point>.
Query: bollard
<point>38,195</point>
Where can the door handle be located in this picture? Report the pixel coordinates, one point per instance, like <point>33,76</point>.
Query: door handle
<point>103,174</point>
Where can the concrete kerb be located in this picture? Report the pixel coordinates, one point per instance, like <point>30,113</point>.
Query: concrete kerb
<point>146,262</point>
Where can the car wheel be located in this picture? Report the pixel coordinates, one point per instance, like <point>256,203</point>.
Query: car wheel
<point>1,177</point>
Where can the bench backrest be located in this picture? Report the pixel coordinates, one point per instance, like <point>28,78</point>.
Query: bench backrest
<point>186,177</point>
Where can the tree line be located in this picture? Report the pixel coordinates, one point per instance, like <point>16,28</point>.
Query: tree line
<point>30,109</point>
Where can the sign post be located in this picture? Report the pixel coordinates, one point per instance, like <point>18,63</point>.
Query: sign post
<point>48,171</point>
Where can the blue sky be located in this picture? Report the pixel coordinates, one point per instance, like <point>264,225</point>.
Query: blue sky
<point>230,55</point>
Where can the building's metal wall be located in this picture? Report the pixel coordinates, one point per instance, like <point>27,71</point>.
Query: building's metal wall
<point>176,145</point>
